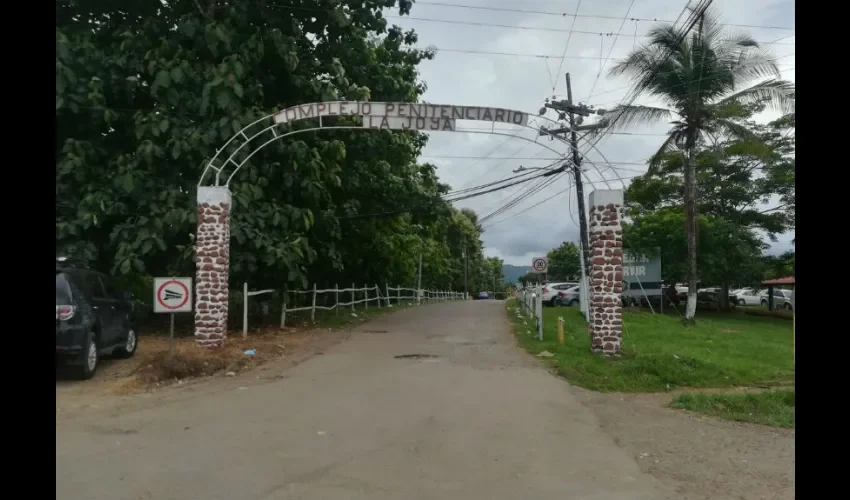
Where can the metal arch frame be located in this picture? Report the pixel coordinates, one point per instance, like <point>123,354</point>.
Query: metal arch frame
<point>249,140</point>
<point>239,165</point>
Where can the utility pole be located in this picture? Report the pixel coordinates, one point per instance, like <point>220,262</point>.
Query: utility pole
<point>579,186</point>
<point>566,109</point>
<point>465,273</point>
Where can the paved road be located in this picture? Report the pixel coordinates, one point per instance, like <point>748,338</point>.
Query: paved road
<point>481,421</point>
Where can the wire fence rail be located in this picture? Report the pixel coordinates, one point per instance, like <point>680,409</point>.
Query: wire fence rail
<point>530,298</point>
<point>337,299</point>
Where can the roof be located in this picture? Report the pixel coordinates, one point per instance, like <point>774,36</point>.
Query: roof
<point>789,280</point>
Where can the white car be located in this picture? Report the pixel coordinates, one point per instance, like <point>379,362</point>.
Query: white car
<point>550,291</point>
<point>747,297</point>
<point>781,298</point>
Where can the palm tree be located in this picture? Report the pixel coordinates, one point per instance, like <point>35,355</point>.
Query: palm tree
<point>698,76</point>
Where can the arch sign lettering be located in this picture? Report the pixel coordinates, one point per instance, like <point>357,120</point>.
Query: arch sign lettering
<point>402,115</point>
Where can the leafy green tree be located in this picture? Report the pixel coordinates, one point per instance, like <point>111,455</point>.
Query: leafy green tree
<point>698,76</point>
<point>564,262</point>
<point>779,266</point>
<point>729,253</point>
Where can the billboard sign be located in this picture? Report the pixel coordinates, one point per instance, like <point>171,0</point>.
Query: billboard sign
<point>641,271</point>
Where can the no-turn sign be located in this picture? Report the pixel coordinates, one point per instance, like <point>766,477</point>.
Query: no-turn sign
<point>172,295</point>
<point>539,265</point>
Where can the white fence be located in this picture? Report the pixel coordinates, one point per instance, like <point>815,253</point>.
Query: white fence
<point>530,298</point>
<point>370,294</point>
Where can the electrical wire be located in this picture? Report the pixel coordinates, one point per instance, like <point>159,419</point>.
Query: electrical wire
<point>566,46</point>
<point>589,16</point>
<point>601,66</point>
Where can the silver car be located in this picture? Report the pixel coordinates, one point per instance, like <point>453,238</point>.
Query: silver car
<point>569,297</point>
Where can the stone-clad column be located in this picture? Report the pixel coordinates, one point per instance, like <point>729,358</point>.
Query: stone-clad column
<point>606,243</point>
<point>212,258</point>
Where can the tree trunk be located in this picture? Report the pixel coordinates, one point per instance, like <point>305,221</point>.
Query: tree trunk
<point>724,297</point>
<point>691,229</point>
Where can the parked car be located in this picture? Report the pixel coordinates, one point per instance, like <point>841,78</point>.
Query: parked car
<point>483,295</point>
<point>669,294</point>
<point>712,298</point>
<point>550,291</point>
<point>93,318</point>
<point>781,298</point>
<point>569,297</point>
<point>746,296</point>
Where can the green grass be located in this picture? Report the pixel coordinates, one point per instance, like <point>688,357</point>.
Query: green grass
<point>659,354</point>
<point>774,407</point>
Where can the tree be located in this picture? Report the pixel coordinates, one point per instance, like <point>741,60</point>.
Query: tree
<point>699,75</point>
<point>779,266</point>
<point>564,262</point>
<point>729,253</point>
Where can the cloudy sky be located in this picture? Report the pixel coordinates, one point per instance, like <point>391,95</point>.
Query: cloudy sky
<point>467,72</point>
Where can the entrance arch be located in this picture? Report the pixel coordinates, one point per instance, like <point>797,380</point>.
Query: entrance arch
<point>212,241</point>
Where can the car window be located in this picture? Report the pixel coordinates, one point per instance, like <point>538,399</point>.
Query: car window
<point>63,290</point>
<point>109,287</point>
<point>93,285</point>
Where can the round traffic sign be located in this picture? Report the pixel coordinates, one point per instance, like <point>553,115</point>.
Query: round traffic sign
<point>172,294</point>
<point>539,264</point>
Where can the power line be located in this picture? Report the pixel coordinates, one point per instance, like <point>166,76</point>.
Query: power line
<point>449,199</point>
<point>632,4</point>
<point>532,28</point>
<point>576,14</point>
<point>566,46</point>
<point>520,197</point>
<point>456,157</point>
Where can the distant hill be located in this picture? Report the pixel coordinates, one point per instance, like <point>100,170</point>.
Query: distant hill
<point>512,273</point>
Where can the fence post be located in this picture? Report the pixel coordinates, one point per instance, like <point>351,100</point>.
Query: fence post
<point>244,310</point>
<point>336,304</point>
<point>398,295</point>
<point>283,310</point>
<point>353,297</point>
<point>378,293</point>
<point>313,309</point>
<point>366,294</point>
<point>539,312</point>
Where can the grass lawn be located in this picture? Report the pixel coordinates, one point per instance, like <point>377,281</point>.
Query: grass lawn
<point>774,407</point>
<point>659,354</point>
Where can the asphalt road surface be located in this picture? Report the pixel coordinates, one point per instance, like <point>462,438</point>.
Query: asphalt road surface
<point>479,420</point>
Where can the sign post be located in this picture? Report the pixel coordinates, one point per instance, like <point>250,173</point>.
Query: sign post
<point>172,295</point>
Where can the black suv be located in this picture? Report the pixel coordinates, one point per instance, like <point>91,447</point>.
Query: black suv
<point>93,318</point>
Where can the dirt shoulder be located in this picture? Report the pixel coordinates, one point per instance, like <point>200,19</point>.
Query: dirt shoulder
<point>128,384</point>
<point>701,457</point>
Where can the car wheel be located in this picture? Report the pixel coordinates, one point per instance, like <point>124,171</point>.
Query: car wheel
<point>764,302</point>
<point>129,348</point>
<point>89,360</point>
<point>741,302</point>
<point>787,306</point>
<point>573,303</point>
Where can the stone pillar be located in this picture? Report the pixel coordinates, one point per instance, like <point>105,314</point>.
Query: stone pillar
<point>212,258</point>
<point>606,271</point>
